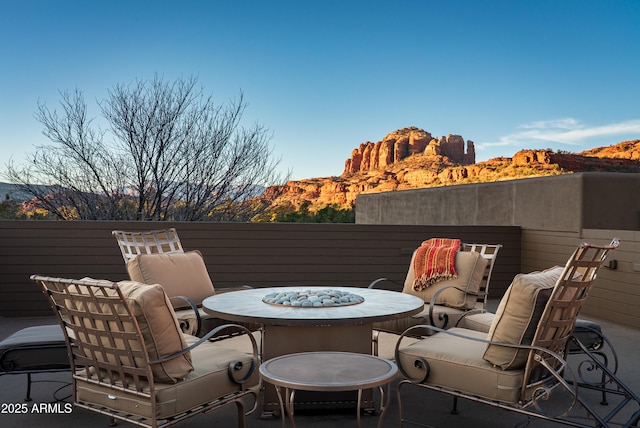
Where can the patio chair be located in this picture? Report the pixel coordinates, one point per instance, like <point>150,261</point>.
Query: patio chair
<point>520,365</point>
<point>446,302</point>
<point>157,257</point>
<point>131,362</point>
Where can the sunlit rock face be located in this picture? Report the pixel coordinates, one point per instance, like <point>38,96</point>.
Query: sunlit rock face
<point>399,145</point>
<point>412,158</point>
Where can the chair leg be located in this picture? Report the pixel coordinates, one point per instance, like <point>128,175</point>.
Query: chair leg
<point>28,397</point>
<point>400,420</point>
<point>112,421</point>
<point>375,340</point>
<point>454,409</point>
<point>241,416</point>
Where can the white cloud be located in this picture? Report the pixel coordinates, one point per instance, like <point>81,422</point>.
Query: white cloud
<point>566,123</point>
<point>567,131</point>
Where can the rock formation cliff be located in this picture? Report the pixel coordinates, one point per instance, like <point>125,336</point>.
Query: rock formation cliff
<point>411,158</point>
<point>407,142</point>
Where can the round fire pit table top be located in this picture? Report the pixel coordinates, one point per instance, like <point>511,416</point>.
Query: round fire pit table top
<point>247,306</point>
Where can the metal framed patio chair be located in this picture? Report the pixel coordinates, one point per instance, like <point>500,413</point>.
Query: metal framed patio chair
<point>521,364</point>
<point>158,257</point>
<point>130,360</point>
<point>448,301</point>
<point>489,252</point>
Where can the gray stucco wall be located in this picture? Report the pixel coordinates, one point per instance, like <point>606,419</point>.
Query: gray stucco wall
<point>561,203</point>
<point>554,213</point>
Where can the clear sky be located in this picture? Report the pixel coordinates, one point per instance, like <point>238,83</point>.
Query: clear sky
<point>325,76</point>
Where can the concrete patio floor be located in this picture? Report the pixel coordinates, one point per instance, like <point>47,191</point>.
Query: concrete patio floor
<point>428,407</point>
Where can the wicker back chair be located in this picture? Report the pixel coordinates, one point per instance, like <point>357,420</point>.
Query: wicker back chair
<point>510,367</point>
<point>147,242</point>
<point>183,275</point>
<point>164,241</point>
<point>131,362</point>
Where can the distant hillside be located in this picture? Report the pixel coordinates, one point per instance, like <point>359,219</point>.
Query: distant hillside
<point>410,158</point>
<point>13,191</point>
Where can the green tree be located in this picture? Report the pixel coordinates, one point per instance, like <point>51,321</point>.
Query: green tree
<point>287,213</point>
<point>10,209</point>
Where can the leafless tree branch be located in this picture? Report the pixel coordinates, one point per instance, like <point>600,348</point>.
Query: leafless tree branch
<point>169,153</point>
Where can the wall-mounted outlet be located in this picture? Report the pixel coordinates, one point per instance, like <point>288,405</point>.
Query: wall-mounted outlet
<point>636,267</point>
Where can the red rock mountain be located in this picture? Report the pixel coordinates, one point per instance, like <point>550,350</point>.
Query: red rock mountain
<point>404,143</point>
<point>411,158</point>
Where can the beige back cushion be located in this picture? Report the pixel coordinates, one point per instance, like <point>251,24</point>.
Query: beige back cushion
<point>159,327</point>
<point>470,267</point>
<point>180,274</point>
<point>517,317</point>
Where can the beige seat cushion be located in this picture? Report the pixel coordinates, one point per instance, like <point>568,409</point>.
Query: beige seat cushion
<point>517,317</point>
<point>181,274</point>
<point>470,267</point>
<point>480,321</point>
<point>457,363</point>
<point>208,381</point>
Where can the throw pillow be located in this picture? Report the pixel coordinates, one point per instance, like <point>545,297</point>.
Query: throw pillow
<point>517,317</point>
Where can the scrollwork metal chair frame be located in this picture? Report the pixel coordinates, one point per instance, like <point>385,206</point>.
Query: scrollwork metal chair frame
<point>441,319</point>
<point>546,371</point>
<point>107,352</point>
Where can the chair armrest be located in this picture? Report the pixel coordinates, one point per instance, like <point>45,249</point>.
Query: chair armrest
<point>234,366</point>
<point>193,306</point>
<point>392,285</point>
<point>442,316</point>
<point>471,312</point>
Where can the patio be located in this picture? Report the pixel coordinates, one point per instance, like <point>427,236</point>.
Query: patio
<point>282,255</point>
<point>429,407</point>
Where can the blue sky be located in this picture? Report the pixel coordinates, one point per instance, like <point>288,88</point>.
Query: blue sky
<point>326,76</point>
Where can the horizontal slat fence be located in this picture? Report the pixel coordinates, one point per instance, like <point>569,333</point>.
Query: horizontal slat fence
<point>256,254</point>
<point>615,295</point>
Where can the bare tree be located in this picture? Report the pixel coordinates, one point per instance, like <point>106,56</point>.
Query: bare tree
<point>169,153</point>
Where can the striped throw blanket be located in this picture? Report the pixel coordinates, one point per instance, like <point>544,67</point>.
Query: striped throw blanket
<point>435,261</point>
